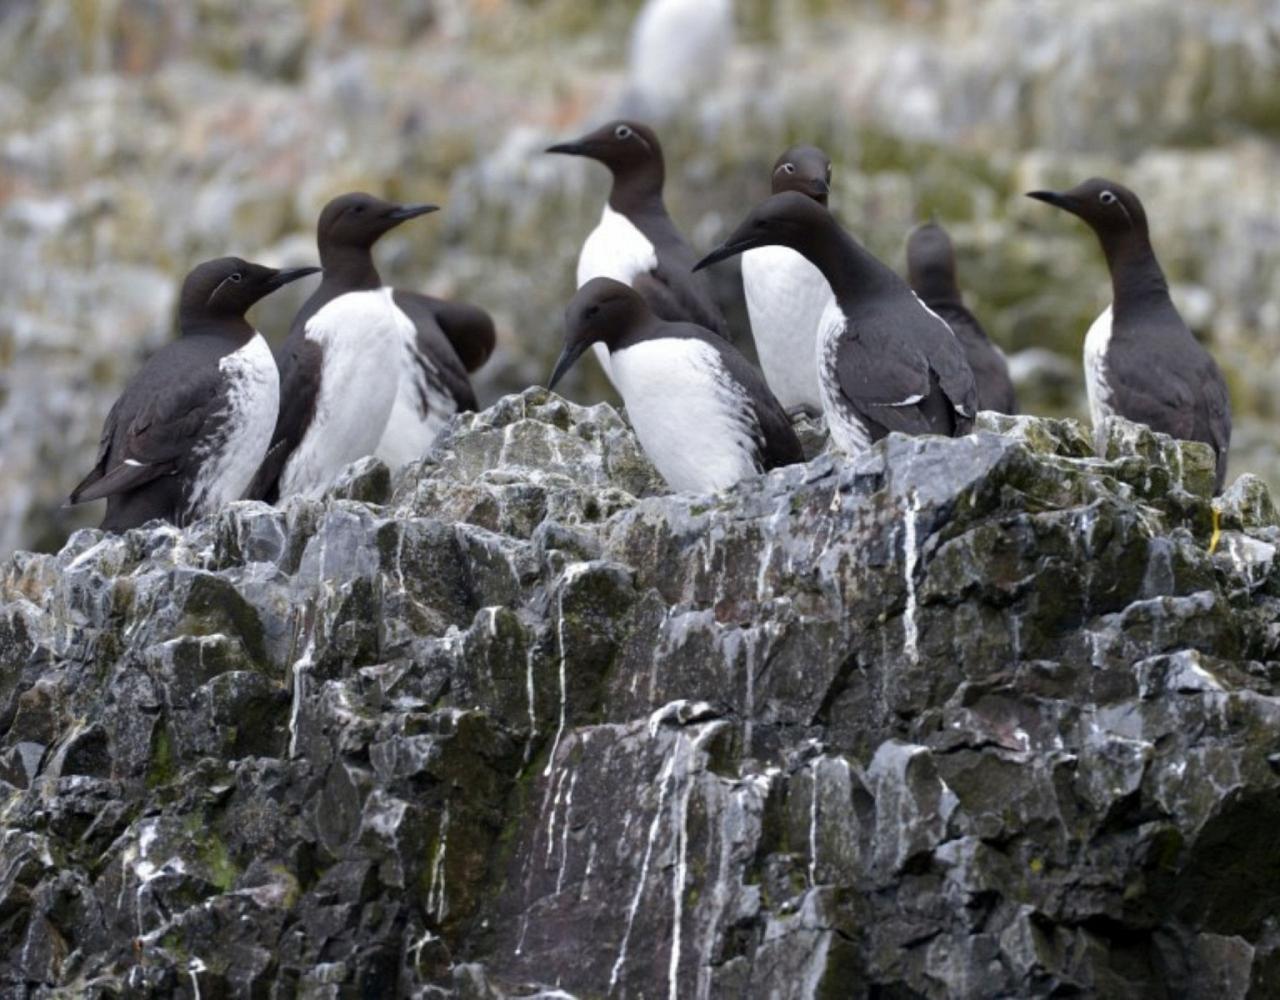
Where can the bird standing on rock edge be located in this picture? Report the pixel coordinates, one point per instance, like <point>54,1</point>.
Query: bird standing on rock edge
<point>786,295</point>
<point>191,427</point>
<point>341,365</point>
<point>703,414</point>
<point>1140,359</point>
<point>886,362</point>
<point>635,241</point>
<point>931,270</point>
<point>453,339</point>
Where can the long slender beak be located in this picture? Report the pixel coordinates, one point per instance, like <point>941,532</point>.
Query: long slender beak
<point>570,354</point>
<point>575,148</point>
<point>722,252</point>
<point>284,277</point>
<point>1053,198</point>
<point>403,212</point>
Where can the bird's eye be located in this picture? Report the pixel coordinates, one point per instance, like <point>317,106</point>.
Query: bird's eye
<point>623,131</point>
<point>358,209</point>
<point>1107,198</point>
<point>591,311</point>
<point>235,277</point>
<point>788,168</point>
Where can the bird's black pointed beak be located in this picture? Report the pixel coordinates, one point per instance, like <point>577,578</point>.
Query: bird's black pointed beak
<point>820,188</point>
<point>402,213</point>
<point>1053,198</point>
<point>575,148</point>
<point>570,354</point>
<point>291,274</point>
<point>723,252</point>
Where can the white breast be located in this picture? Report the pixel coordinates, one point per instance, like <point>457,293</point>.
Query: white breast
<point>848,433</point>
<point>409,435</point>
<point>615,249</point>
<point>362,335</point>
<point>693,420</point>
<point>679,48</point>
<point>245,427</point>
<point>1096,343</point>
<point>786,297</point>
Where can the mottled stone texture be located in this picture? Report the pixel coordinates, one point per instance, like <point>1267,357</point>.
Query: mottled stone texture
<point>968,718</point>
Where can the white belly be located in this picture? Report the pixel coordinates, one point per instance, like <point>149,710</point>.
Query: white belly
<point>786,297</point>
<point>848,433</point>
<point>1096,342</point>
<point>409,434</point>
<point>615,249</point>
<point>253,403</point>
<point>693,421</point>
<point>362,335</point>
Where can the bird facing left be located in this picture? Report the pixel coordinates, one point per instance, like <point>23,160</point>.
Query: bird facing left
<point>192,426</point>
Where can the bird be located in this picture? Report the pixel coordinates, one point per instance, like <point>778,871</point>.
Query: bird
<point>187,434</point>
<point>885,361</point>
<point>703,414</point>
<point>1141,361</point>
<point>451,340</point>
<point>931,271</point>
<point>635,241</point>
<point>786,295</point>
<point>678,52</point>
<point>342,363</point>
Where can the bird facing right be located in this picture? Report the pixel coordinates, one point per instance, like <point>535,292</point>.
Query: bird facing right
<point>1140,359</point>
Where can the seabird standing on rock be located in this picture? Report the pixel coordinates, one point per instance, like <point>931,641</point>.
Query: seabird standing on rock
<point>340,368</point>
<point>1140,359</point>
<point>931,269</point>
<point>885,362</point>
<point>786,295</point>
<point>192,426</point>
<point>451,340</point>
<point>703,414</point>
<point>636,242</point>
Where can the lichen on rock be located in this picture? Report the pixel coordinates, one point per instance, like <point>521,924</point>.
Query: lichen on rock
<point>956,718</point>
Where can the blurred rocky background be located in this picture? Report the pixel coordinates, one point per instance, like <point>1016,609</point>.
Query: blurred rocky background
<point>138,137</point>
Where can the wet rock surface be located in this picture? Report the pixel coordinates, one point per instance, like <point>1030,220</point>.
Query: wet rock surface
<point>963,718</point>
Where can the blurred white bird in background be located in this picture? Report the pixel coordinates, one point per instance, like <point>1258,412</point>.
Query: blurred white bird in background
<point>678,49</point>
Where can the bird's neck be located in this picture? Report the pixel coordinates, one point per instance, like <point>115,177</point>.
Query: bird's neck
<point>349,267</point>
<point>233,329</point>
<point>852,271</point>
<point>638,192</point>
<point>1136,277</point>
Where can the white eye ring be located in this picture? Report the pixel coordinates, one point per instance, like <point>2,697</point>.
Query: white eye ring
<point>235,277</point>
<point>1107,198</point>
<point>622,132</point>
<point>789,168</point>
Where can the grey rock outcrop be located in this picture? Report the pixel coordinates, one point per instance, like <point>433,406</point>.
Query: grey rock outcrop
<point>963,718</point>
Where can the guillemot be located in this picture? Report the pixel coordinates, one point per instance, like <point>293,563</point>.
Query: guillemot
<point>187,434</point>
<point>635,241</point>
<point>931,270</point>
<point>786,295</point>
<point>1140,359</point>
<point>340,367</point>
<point>451,339</point>
<point>885,362</point>
<point>703,414</point>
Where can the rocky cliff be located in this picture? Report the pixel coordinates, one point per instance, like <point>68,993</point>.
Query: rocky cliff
<point>965,718</point>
